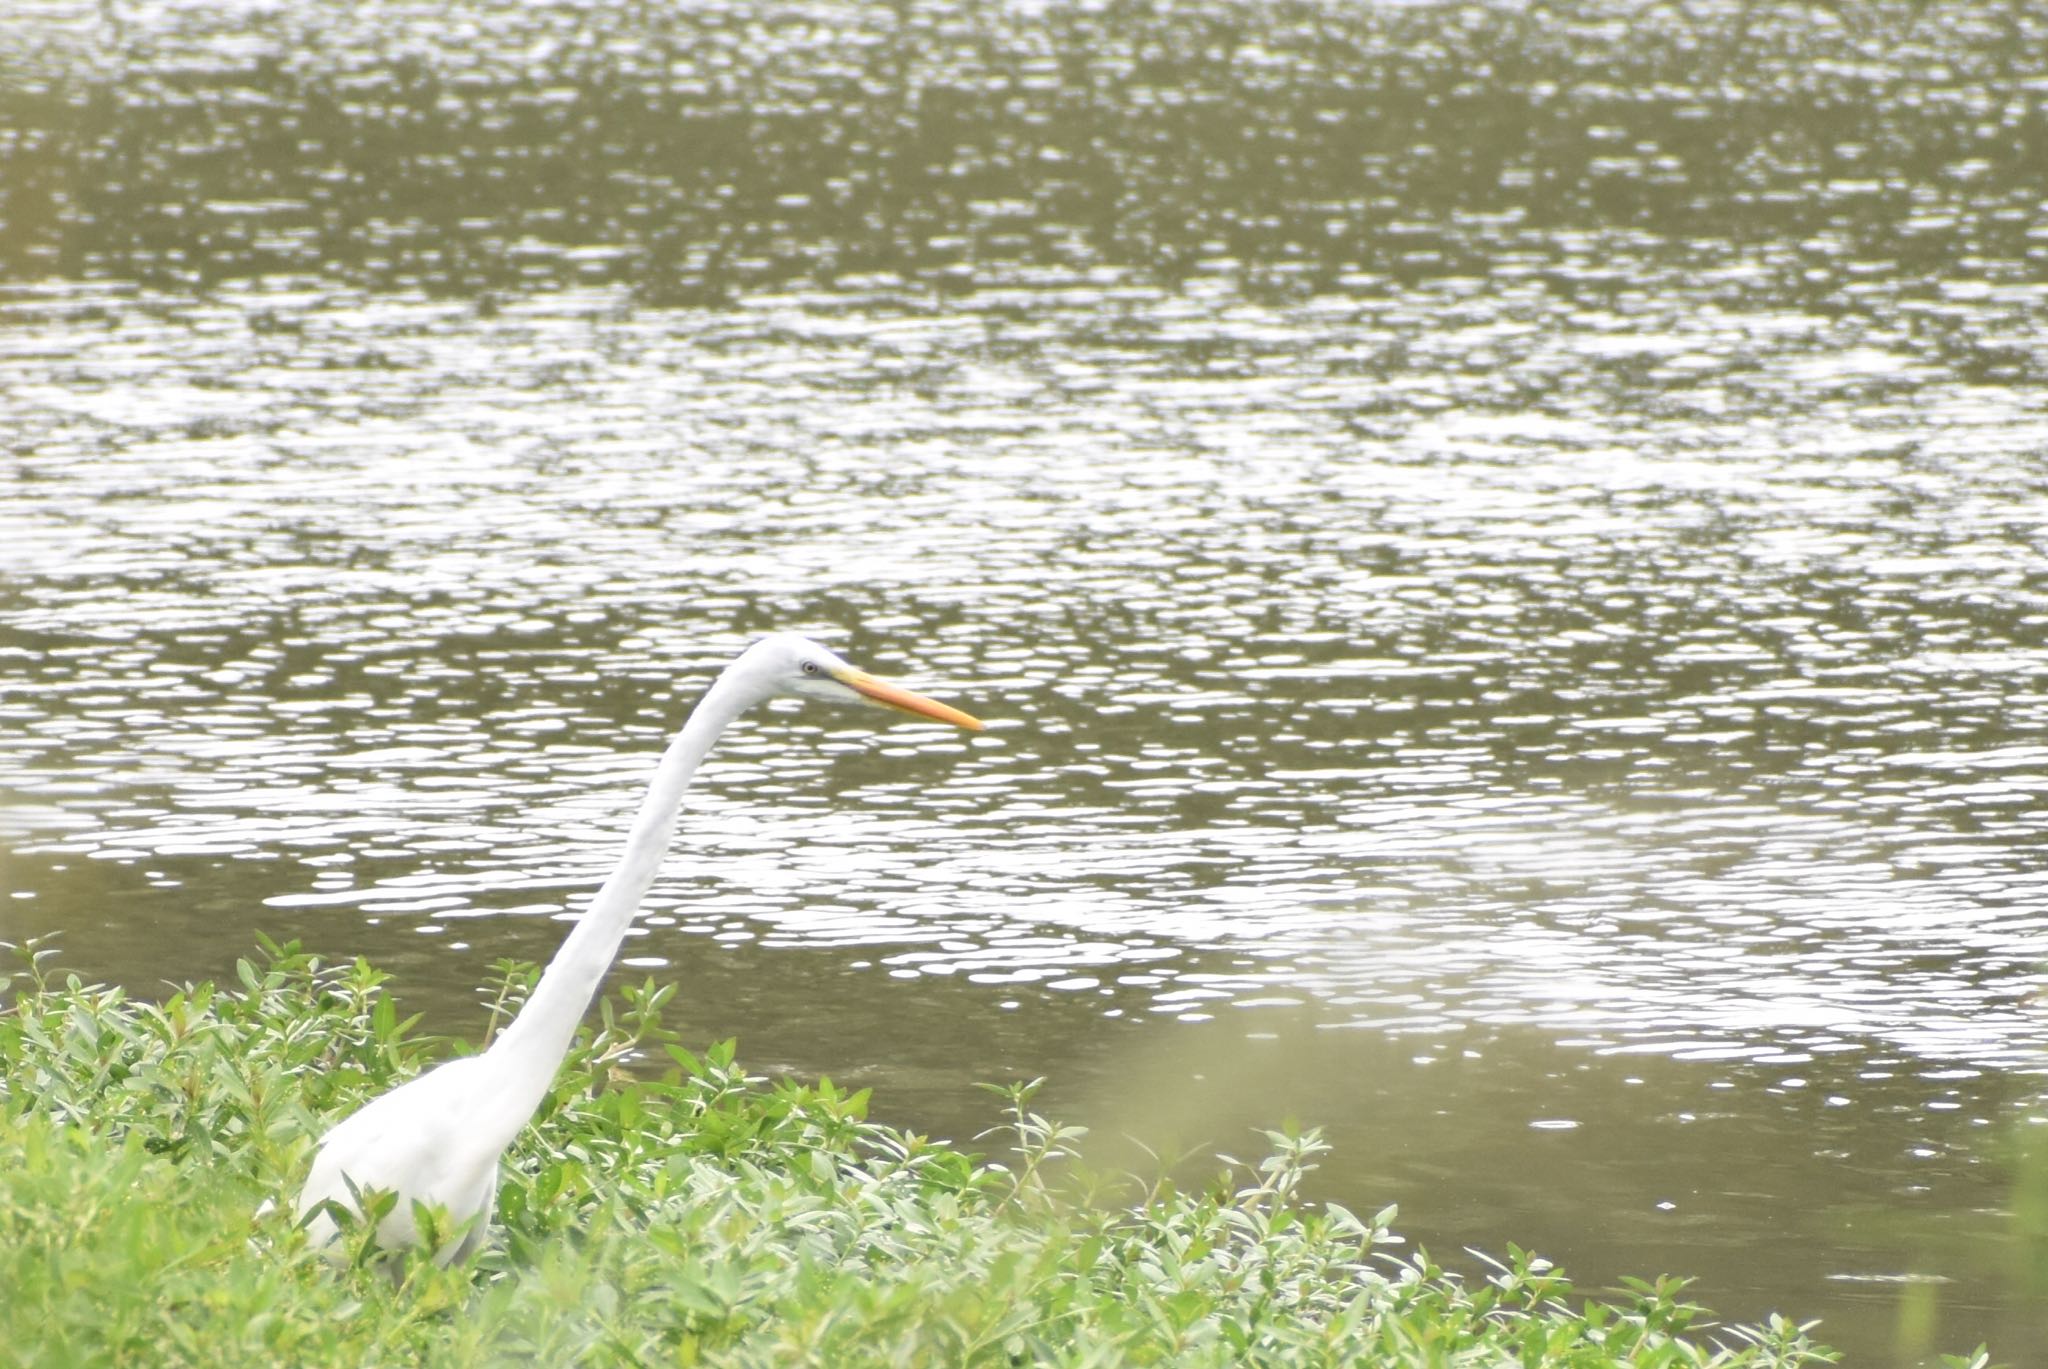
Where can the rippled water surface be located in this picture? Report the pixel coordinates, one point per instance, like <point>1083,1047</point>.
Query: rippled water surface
<point>1502,552</point>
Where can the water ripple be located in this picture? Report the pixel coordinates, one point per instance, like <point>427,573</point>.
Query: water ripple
<point>1644,735</point>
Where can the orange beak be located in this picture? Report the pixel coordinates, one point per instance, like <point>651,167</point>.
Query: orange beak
<point>895,696</point>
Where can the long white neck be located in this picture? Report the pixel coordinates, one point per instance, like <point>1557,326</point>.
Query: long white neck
<point>526,1054</point>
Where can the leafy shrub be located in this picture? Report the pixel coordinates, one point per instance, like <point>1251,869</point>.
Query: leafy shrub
<point>702,1216</point>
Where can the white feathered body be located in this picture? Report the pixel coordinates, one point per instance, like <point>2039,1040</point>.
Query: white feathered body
<point>437,1139</point>
<point>420,1141</point>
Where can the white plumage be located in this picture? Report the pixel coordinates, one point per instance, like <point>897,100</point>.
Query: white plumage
<point>438,1138</point>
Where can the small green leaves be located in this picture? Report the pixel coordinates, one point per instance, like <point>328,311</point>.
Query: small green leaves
<point>674,1209</point>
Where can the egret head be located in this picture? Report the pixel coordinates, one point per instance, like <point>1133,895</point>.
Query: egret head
<point>788,663</point>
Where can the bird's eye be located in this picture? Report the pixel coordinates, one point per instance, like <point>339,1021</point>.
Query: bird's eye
<point>810,667</point>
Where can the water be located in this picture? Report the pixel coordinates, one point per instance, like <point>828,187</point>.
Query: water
<point>1501,553</point>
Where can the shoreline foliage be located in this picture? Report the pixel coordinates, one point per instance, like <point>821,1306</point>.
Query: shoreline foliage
<point>667,1207</point>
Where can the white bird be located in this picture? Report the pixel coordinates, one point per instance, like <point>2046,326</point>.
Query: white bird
<point>438,1138</point>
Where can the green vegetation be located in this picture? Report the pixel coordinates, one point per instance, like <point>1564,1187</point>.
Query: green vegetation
<point>701,1217</point>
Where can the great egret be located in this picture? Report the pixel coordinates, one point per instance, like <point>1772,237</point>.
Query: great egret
<point>438,1138</point>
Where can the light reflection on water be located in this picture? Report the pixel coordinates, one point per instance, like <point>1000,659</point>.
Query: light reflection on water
<point>1700,746</point>
<point>1558,661</point>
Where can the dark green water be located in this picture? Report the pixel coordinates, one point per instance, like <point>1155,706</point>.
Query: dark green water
<point>1503,549</point>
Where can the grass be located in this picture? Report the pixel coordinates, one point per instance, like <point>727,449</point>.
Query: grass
<point>703,1216</point>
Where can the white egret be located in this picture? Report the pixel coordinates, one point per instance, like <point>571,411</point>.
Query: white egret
<point>438,1138</point>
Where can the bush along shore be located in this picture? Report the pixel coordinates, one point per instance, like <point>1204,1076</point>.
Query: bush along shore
<point>668,1208</point>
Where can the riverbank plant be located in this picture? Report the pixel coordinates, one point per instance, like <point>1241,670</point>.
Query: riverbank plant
<point>669,1208</point>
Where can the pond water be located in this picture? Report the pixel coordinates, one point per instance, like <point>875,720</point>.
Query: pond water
<point>1502,553</point>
